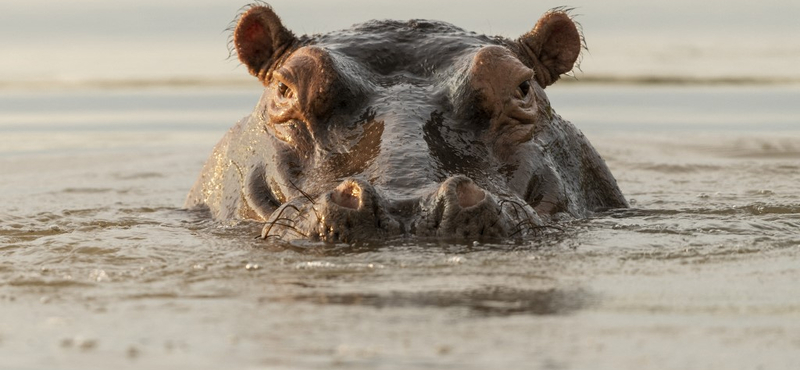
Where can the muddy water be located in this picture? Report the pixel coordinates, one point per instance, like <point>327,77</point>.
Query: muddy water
<point>100,267</point>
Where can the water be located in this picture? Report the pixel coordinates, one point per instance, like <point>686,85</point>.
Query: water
<point>100,266</point>
<point>107,113</point>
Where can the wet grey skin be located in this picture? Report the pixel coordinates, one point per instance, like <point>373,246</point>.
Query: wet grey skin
<point>404,129</point>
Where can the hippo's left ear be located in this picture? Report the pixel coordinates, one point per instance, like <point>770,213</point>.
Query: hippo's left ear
<point>261,39</point>
<point>552,47</point>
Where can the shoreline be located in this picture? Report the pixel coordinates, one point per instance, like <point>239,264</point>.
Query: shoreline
<point>246,82</point>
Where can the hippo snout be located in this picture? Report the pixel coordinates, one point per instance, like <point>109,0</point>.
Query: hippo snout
<point>355,211</point>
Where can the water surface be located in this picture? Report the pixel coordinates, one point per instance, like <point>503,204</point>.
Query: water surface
<point>100,266</point>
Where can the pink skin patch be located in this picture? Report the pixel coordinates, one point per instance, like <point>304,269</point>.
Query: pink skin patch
<point>469,194</point>
<point>253,31</point>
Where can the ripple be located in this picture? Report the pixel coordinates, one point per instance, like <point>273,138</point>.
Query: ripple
<point>88,190</point>
<point>325,265</point>
<point>755,209</point>
<point>138,175</point>
<point>488,301</point>
<point>21,234</point>
<point>677,168</point>
<point>47,283</point>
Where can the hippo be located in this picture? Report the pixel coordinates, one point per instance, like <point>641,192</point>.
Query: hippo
<point>404,129</point>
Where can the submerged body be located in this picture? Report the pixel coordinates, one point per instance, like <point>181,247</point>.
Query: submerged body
<point>404,128</point>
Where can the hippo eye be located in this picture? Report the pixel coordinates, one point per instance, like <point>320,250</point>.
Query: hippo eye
<point>284,91</point>
<point>523,89</point>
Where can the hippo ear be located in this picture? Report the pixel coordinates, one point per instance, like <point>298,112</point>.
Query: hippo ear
<point>260,39</point>
<point>552,47</point>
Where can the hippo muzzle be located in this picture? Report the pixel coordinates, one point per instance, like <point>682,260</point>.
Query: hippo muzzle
<point>357,211</point>
<point>404,129</point>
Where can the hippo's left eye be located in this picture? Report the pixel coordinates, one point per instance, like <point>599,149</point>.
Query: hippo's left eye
<point>285,91</point>
<point>523,89</point>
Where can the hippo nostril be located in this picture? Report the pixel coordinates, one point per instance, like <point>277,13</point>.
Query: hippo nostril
<point>462,209</point>
<point>469,194</point>
<point>347,194</point>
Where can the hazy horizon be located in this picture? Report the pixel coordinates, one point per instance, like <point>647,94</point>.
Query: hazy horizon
<point>81,40</point>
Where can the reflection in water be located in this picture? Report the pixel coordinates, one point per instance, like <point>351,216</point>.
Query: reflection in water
<point>546,237</point>
<point>489,301</point>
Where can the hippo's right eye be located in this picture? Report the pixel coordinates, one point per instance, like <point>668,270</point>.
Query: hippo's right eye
<point>285,91</point>
<point>523,89</point>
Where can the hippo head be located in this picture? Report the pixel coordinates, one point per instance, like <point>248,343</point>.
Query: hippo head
<point>414,128</point>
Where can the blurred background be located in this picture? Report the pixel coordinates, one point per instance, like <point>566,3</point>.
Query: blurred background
<point>75,42</point>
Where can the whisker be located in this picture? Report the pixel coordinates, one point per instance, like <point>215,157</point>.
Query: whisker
<point>292,206</point>
<point>302,192</point>
<point>314,210</point>
<point>519,229</point>
<point>309,198</point>
<point>283,219</point>
<point>518,208</point>
<point>533,227</point>
<point>288,226</point>
<point>521,224</point>
<point>272,223</point>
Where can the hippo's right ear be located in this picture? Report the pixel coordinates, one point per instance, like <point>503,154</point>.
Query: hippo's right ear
<point>261,39</point>
<point>552,47</point>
